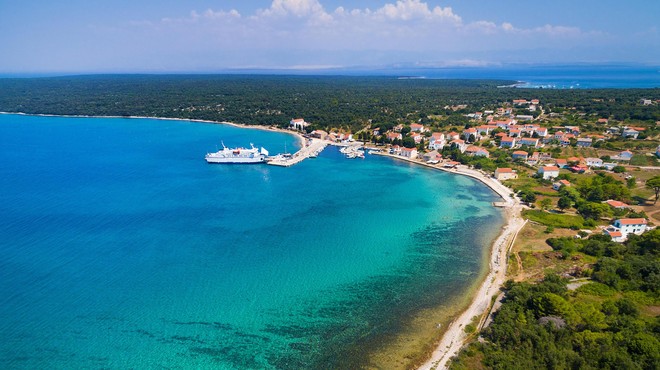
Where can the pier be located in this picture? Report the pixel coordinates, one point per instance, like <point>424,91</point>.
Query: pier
<point>315,147</point>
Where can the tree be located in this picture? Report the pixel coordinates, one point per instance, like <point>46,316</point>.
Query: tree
<point>564,202</point>
<point>593,210</point>
<point>618,169</point>
<point>654,184</point>
<point>545,203</point>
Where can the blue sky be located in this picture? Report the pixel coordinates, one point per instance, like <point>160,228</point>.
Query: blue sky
<point>206,36</point>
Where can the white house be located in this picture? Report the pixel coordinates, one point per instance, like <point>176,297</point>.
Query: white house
<point>519,154</point>
<point>485,129</point>
<point>437,141</point>
<point>502,174</point>
<point>542,131</point>
<point>508,142</point>
<point>391,136</point>
<point>594,162</point>
<point>549,172</point>
<point>409,153</point>
<point>529,142</point>
<point>432,157</point>
<point>416,127</point>
<point>615,234</point>
<point>476,151</point>
<point>298,124</point>
<point>630,133</point>
<point>631,225</point>
<point>458,143</point>
<point>557,185</point>
<point>471,132</point>
<point>524,117</point>
<point>626,226</point>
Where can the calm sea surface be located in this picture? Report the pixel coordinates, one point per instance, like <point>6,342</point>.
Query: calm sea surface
<point>122,248</point>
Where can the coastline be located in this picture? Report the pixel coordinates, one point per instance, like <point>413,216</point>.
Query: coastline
<point>301,139</point>
<point>454,336</point>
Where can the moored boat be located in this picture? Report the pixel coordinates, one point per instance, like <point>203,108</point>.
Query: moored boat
<point>238,155</point>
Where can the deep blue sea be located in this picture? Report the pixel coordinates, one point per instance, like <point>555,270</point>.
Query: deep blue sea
<point>559,77</point>
<point>548,76</point>
<point>122,248</point>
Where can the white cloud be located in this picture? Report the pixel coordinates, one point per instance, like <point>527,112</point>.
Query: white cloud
<point>408,28</point>
<point>415,9</point>
<point>298,8</point>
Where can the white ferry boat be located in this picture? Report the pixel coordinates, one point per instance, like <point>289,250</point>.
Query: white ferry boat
<point>238,155</point>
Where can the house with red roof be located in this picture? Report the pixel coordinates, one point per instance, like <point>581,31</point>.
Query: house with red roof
<point>502,174</point>
<point>615,234</point>
<point>557,185</point>
<point>534,158</point>
<point>541,131</point>
<point>594,162</point>
<point>529,142</point>
<point>549,172</point>
<point>616,204</point>
<point>459,144</point>
<point>508,142</point>
<point>485,129</point>
<point>519,154</point>
<point>627,226</point>
<point>477,151</point>
<point>298,124</point>
<point>416,127</point>
<point>437,141</point>
<point>471,132</point>
<point>391,136</point>
<point>409,153</point>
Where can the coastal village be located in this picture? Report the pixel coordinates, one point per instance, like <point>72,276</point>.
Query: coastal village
<point>538,155</point>
<point>562,177</point>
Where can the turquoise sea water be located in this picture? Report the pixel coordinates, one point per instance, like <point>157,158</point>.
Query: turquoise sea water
<point>122,248</point>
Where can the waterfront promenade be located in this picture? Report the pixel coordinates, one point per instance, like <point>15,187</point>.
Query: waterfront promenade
<point>313,148</point>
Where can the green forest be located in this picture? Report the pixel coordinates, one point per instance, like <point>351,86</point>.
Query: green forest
<point>326,101</point>
<point>610,322</point>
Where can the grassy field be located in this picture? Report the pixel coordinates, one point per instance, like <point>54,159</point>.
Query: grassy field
<point>555,219</point>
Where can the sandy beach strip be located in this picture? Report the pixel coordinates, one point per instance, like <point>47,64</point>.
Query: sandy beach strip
<point>454,337</point>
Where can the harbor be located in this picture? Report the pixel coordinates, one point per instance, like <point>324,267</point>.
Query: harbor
<point>312,149</point>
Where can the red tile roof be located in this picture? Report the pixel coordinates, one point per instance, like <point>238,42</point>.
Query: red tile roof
<point>616,203</point>
<point>632,221</point>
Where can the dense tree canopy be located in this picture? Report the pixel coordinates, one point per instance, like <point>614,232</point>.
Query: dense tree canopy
<point>325,101</point>
<point>599,326</point>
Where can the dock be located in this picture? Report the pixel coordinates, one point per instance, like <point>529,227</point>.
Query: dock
<point>315,147</point>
